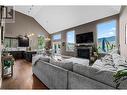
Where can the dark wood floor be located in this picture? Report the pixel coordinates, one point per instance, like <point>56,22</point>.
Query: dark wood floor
<point>23,77</point>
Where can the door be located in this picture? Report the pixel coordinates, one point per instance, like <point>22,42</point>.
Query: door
<point>57,47</point>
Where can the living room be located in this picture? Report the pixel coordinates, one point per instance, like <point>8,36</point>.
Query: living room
<point>63,47</point>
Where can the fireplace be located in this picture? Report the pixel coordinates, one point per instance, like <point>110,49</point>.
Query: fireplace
<point>84,52</point>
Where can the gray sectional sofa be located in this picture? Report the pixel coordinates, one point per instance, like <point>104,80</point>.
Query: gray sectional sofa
<point>80,76</point>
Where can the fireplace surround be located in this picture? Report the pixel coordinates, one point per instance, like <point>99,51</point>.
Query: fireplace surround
<point>84,52</point>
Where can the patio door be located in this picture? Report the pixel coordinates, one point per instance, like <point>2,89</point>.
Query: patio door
<point>56,47</point>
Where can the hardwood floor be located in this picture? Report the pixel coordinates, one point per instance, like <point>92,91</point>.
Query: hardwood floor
<point>23,77</point>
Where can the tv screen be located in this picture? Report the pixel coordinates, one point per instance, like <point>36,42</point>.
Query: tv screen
<point>84,38</point>
<point>23,41</point>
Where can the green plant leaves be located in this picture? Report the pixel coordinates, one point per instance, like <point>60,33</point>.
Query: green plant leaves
<point>8,63</point>
<point>120,76</point>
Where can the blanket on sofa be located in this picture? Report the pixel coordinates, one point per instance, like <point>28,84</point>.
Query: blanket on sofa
<point>107,67</point>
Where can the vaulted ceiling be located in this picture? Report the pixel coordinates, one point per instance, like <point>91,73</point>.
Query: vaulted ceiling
<point>58,18</point>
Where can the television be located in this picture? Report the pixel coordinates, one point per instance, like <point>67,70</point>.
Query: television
<point>23,41</point>
<point>84,38</point>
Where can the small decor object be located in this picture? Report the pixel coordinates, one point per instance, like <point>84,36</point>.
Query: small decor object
<point>63,43</point>
<point>92,59</point>
<point>120,76</point>
<point>95,52</point>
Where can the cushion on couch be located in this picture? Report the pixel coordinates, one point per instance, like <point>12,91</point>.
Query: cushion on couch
<point>39,57</point>
<point>79,60</point>
<point>84,70</point>
<point>106,72</point>
<point>119,60</point>
<point>63,63</point>
<point>99,71</point>
<point>107,60</point>
<point>45,58</point>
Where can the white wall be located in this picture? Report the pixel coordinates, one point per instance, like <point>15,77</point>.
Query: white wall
<point>25,25</point>
<point>122,22</point>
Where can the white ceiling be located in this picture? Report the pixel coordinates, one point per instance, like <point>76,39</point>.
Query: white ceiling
<point>57,18</point>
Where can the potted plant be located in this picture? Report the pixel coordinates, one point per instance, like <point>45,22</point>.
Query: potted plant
<point>120,76</point>
<point>7,64</point>
<point>95,52</point>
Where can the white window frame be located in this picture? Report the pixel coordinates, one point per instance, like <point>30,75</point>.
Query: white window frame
<point>56,39</point>
<point>67,40</point>
<point>116,40</point>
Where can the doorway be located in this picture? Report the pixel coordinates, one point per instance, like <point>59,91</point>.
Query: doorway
<point>56,47</point>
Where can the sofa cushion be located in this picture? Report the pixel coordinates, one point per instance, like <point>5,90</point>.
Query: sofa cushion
<point>107,60</point>
<point>105,73</point>
<point>102,73</point>
<point>84,70</point>
<point>103,66</point>
<point>119,60</point>
<point>45,58</point>
<point>79,61</point>
<point>62,63</point>
<point>39,57</point>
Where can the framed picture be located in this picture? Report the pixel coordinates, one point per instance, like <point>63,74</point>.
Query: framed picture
<point>125,33</point>
<point>8,12</point>
<point>2,34</point>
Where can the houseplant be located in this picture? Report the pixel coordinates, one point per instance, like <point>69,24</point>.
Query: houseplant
<point>120,76</point>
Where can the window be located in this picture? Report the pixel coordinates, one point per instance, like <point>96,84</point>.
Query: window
<point>41,42</point>
<point>70,41</point>
<point>57,37</point>
<point>11,42</point>
<point>106,36</point>
<point>57,47</point>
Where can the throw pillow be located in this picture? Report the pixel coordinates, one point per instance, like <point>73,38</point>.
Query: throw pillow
<point>119,60</point>
<point>107,60</point>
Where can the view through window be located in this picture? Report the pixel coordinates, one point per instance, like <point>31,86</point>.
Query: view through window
<point>106,36</point>
<point>56,43</point>
<point>57,37</point>
<point>41,41</point>
<point>10,42</point>
<point>70,45</point>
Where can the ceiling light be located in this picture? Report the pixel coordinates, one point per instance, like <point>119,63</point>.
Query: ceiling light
<point>47,39</point>
<point>32,34</point>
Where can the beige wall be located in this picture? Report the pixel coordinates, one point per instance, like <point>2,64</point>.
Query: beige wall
<point>25,24</point>
<point>89,27</point>
<point>123,21</point>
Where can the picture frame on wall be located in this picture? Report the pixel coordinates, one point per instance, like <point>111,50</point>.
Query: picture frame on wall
<point>8,10</point>
<point>125,33</point>
<point>2,34</point>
